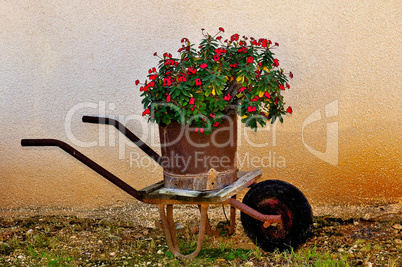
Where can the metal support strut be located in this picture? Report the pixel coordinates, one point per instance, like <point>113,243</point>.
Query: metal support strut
<point>170,229</point>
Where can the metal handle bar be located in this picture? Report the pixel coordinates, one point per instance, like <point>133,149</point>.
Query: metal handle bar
<point>87,161</point>
<point>130,135</point>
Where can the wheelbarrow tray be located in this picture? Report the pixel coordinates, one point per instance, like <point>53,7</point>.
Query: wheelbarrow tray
<point>158,192</point>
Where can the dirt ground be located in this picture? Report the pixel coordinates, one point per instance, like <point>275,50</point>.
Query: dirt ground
<point>132,236</point>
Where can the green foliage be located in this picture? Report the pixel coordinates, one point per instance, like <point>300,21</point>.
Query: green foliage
<point>238,75</point>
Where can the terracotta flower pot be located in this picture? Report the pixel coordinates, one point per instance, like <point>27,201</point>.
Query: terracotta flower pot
<point>195,161</point>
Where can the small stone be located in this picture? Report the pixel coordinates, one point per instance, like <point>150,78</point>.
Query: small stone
<point>73,237</point>
<point>30,232</point>
<point>159,252</point>
<point>112,253</point>
<point>341,250</point>
<point>100,242</point>
<point>249,264</point>
<point>368,264</point>
<point>397,226</point>
<point>178,226</point>
<point>145,232</point>
<point>398,241</point>
<point>21,257</point>
<point>356,223</point>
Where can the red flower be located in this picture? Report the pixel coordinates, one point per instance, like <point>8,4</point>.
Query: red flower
<point>203,65</point>
<point>198,81</point>
<point>289,110</point>
<point>216,58</point>
<point>250,60</point>
<point>287,85</point>
<point>137,82</point>
<point>153,77</point>
<point>251,108</point>
<point>220,51</point>
<point>184,40</point>
<point>242,89</point>
<point>243,49</point>
<point>219,37</point>
<point>155,54</point>
<point>147,111</point>
<point>167,81</point>
<point>151,84</point>
<point>182,79</point>
<point>191,70</point>
<point>267,95</point>
<point>282,87</point>
<point>227,97</point>
<point>276,62</point>
<point>235,37</point>
<point>167,55</point>
<point>191,102</point>
<point>291,75</point>
<point>168,98</point>
<point>212,115</point>
<point>276,44</point>
<point>215,124</point>
<point>141,89</point>
<point>221,29</point>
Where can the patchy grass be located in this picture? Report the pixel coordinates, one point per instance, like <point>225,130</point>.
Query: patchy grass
<point>73,241</point>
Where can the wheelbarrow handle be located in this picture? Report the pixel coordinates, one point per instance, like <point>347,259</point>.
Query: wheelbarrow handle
<point>130,135</point>
<point>40,142</point>
<point>87,161</point>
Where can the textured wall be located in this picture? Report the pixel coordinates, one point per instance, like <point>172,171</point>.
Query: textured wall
<point>64,59</point>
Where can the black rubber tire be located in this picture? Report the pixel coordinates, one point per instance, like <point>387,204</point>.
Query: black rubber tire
<point>275,197</point>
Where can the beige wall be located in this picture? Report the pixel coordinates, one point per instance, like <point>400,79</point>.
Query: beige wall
<point>64,59</point>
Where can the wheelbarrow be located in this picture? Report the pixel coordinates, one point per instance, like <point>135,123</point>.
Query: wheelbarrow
<point>275,214</point>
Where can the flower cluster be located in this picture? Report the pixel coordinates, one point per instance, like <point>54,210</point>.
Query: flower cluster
<point>217,78</point>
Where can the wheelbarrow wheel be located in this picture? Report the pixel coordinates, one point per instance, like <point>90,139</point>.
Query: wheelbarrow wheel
<point>274,197</point>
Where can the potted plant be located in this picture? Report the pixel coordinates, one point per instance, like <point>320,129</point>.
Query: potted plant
<point>200,92</point>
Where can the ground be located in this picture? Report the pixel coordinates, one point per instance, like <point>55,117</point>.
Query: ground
<point>110,239</point>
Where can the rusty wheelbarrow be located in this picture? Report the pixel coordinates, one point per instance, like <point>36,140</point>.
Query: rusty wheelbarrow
<point>274,214</point>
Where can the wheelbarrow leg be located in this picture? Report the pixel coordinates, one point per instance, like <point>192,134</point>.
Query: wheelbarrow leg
<point>170,230</point>
<point>232,219</point>
<point>208,228</point>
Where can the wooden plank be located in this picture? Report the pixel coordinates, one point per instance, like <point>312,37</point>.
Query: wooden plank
<point>162,193</point>
<point>151,188</point>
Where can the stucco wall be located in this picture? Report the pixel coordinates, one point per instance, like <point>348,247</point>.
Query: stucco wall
<point>64,59</point>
